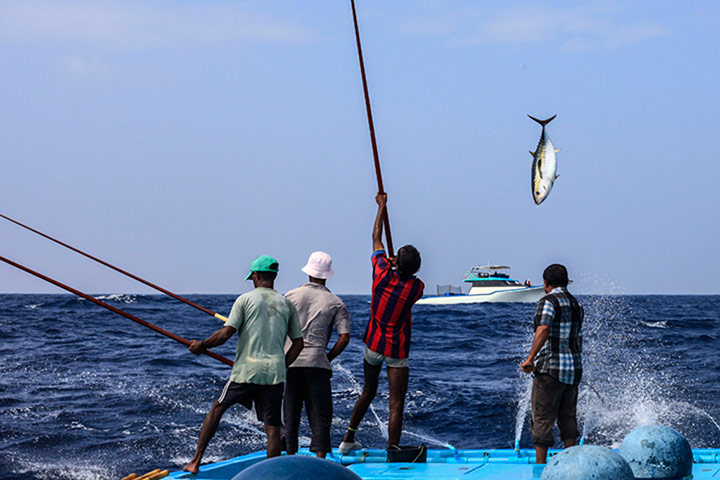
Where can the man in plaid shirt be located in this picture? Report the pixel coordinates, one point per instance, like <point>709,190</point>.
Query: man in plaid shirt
<point>556,359</point>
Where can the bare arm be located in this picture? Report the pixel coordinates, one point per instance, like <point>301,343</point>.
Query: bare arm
<point>218,338</point>
<point>381,199</point>
<point>541,336</point>
<point>342,342</point>
<point>294,351</point>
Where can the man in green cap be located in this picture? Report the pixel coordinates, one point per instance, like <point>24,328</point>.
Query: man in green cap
<point>262,319</point>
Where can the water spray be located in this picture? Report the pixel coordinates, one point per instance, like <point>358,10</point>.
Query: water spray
<point>358,389</point>
<point>522,410</point>
<point>432,440</point>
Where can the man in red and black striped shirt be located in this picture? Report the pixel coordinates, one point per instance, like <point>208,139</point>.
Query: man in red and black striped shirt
<point>387,337</point>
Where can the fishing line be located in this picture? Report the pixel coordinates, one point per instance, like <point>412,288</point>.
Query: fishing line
<point>594,390</point>
<point>587,403</point>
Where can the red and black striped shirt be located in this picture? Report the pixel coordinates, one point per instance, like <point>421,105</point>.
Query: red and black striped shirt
<point>388,331</point>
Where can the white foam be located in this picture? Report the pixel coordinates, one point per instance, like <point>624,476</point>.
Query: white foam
<point>62,470</point>
<point>660,324</point>
<point>118,297</point>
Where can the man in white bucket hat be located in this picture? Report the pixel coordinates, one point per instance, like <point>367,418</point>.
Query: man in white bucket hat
<point>308,377</point>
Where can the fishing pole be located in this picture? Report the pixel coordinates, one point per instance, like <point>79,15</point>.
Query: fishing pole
<point>376,156</point>
<point>129,316</point>
<point>117,269</point>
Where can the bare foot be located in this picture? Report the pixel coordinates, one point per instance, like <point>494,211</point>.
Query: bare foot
<point>192,467</point>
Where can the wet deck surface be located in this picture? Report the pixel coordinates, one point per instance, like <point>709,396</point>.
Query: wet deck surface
<point>401,471</point>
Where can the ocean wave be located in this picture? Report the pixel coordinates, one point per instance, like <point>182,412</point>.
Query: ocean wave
<point>61,470</point>
<point>118,298</point>
<point>96,397</point>
<point>660,324</point>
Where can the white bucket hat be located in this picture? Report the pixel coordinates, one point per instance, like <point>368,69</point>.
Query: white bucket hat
<point>318,265</point>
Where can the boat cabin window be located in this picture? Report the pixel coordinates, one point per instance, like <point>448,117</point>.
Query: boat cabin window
<point>497,283</point>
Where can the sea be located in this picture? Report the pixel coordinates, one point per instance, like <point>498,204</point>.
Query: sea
<point>87,394</point>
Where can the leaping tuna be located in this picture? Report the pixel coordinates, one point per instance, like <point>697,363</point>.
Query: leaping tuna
<point>544,166</point>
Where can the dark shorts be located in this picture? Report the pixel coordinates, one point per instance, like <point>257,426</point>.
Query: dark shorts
<point>309,386</point>
<point>553,401</point>
<point>267,399</point>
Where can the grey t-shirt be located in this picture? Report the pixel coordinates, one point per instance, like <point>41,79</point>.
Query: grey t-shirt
<point>318,309</point>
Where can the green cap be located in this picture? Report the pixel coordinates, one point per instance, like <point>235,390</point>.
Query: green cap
<point>263,263</point>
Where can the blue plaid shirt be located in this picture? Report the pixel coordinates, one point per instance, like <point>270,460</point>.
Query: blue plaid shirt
<point>561,355</point>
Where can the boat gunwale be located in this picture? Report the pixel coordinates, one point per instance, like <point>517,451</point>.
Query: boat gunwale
<point>227,469</point>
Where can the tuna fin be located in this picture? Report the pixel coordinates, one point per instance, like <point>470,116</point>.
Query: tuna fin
<point>543,122</point>
<point>557,150</point>
<point>556,177</point>
<point>532,153</point>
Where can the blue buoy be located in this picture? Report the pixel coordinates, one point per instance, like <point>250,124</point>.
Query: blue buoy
<point>296,467</point>
<point>655,451</point>
<point>587,462</point>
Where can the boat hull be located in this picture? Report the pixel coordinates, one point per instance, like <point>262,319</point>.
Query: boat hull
<point>510,295</point>
<point>445,464</point>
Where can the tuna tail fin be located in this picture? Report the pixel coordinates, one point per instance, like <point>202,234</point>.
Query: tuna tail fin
<point>543,122</point>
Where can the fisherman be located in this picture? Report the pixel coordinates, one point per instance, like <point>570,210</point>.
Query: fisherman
<point>308,377</point>
<point>262,319</point>
<point>387,337</point>
<point>556,360</point>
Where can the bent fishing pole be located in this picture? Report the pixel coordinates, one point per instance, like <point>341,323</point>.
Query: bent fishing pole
<point>117,269</point>
<point>129,316</point>
<point>376,156</point>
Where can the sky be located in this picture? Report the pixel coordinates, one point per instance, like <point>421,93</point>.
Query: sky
<point>179,140</point>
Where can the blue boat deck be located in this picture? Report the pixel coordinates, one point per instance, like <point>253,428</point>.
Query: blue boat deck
<point>406,471</point>
<point>370,464</point>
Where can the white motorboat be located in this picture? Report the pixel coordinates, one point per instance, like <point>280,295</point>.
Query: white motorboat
<point>487,285</point>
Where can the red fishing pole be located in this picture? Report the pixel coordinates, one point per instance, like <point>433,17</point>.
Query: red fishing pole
<point>376,156</point>
<point>117,269</point>
<point>135,319</point>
